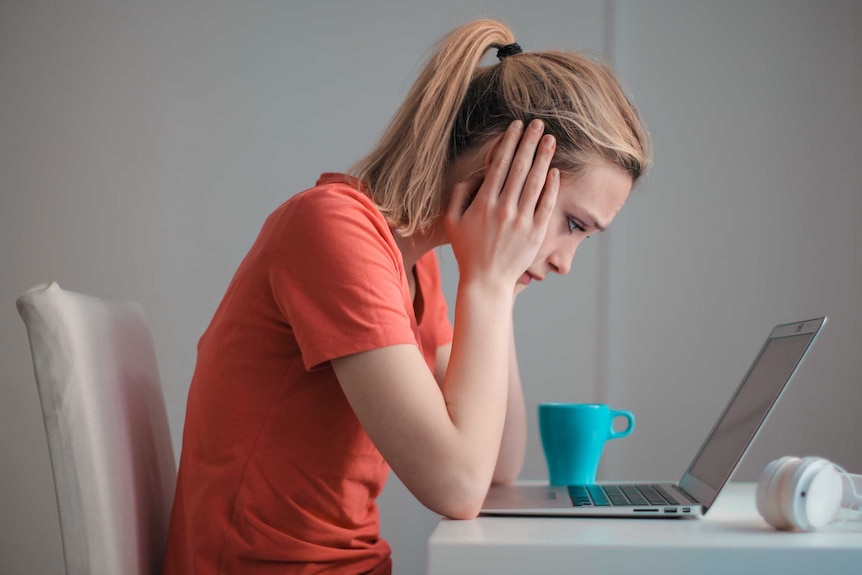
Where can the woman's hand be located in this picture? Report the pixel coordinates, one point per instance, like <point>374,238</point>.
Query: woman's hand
<point>498,236</point>
<point>443,440</point>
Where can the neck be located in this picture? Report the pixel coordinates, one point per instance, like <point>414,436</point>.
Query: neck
<point>415,246</point>
<point>418,244</point>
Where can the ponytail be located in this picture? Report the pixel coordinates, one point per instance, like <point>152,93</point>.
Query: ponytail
<point>456,106</point>
<point>404,173</point>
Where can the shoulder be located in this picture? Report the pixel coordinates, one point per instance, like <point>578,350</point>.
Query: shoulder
<point>333,195</point>
<point>332,221</point>
<point>333,208</point>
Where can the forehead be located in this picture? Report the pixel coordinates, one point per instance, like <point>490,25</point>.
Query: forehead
<point>600,190</point>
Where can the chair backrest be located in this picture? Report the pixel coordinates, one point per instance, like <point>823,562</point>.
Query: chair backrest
<point>108,435</point>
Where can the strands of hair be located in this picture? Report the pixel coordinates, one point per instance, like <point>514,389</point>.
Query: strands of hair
<point>457,105</point>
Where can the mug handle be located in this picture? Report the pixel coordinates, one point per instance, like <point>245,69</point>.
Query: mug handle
<point>631,419</point>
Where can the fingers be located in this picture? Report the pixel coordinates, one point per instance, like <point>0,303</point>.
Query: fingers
<point>531,159</point>
<point>501,161</point>
<point>538,176</point>
<point>518,174</point>
<point>548,198</point>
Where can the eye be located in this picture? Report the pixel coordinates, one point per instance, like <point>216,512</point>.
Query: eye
<point>574,224</point>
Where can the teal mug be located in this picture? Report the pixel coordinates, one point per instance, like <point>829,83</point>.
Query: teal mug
<point>573,438</point>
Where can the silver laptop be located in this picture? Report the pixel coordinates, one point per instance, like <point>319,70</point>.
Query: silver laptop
<point>713,465</point>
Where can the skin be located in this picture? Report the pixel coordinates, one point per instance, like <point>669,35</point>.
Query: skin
<point>449,434</point>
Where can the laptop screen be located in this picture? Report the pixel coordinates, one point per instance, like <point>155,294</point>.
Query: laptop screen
<point>751,404</point>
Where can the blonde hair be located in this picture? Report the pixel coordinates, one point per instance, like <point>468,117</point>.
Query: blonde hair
<point>455,106</point>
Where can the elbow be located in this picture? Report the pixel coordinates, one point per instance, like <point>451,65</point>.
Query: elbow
<point>463,514</point>
<point>467,503</point>
<point>458,498</point>
<point>461,510</point>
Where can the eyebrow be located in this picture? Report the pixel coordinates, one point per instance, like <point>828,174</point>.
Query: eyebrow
<point>592,221</point>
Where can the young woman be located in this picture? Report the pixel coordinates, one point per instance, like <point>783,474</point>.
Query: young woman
<point>331,358</point>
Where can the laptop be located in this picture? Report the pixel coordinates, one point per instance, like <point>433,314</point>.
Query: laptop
<point>718,457</point>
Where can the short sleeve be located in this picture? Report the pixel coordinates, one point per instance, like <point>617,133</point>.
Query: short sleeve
<point>338,276</point>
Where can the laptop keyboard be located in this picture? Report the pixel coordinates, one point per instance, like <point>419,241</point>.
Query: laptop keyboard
<point>619,495</point>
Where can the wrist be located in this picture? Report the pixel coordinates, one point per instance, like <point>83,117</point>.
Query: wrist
<point>486,291</point>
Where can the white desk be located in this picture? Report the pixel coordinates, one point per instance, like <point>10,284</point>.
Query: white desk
<point>731,538</point>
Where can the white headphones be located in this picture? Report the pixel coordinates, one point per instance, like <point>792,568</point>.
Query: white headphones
<point>805,493</point>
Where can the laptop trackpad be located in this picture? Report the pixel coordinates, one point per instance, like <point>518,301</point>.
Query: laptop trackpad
<point>527,497</point>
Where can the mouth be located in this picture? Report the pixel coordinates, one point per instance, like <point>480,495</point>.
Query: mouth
<point>528,277</point>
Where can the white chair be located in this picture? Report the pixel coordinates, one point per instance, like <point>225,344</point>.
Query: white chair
<point>108,434</point>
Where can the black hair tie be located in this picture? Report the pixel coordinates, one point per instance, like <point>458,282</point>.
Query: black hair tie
<point>508,50</point>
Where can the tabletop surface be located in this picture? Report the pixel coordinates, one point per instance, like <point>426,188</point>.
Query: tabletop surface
<point>732,535</point>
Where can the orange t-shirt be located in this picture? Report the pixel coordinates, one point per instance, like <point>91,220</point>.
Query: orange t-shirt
<point>277,475</point>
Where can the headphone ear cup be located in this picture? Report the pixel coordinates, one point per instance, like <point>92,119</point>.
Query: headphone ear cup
<point>814,495</point>
<point>768,491</point>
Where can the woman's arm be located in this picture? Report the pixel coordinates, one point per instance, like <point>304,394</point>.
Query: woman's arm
<point>514,442</point>
<point>443,441</point>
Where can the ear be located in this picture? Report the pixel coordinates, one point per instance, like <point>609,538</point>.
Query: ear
<point>476,172</point>
<point>492,149</point>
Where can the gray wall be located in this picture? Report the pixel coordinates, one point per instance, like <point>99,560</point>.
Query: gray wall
<point>142,145</point>
<point>752,217</point>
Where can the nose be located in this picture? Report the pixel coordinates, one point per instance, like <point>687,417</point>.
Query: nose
<point>561,258</point>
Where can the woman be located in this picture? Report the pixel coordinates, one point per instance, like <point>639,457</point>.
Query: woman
<point>331,358</point>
